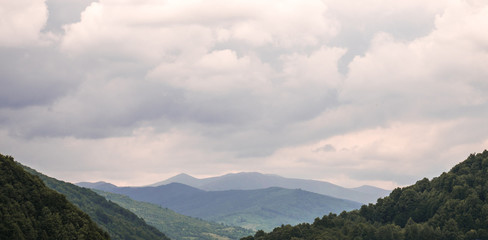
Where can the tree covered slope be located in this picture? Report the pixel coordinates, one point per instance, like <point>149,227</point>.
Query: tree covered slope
<point>176,226</point>
<point>453,206</point>
<point>119,222</point>
<point>30,210</point>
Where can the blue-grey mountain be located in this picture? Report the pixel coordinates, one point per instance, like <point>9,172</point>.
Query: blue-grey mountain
<point>253,180</point>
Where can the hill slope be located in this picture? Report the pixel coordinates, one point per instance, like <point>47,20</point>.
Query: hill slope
<point>256,209</point>
<point>451,206</point>
<point>254,180</point>
<point>176,226</point>
<point>30,210</point>
<point>119,222</point>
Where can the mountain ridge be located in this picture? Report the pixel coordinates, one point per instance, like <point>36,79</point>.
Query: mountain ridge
<point>255,180</point>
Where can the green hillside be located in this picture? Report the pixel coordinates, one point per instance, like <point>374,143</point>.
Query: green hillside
<point>120,223</point>
<point>253,209</point>
<point>453,206</point>
<point>30,210</point>
<point>176,226</point>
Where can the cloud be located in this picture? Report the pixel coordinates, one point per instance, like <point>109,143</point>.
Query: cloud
<point>155,30</point>
<point>326,148</point>
<point>21,22</point>
<point>63,12</point>
<point>397,154</point>
<point>440,75</point>
<point>35,76</point>
<point>320,89</point>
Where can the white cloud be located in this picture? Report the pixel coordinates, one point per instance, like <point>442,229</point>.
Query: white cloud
<point>394,155</point>
<point>157,31</point>
<point>435,74</point>
<point>21,22</point>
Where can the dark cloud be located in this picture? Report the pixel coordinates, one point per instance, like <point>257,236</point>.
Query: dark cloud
<point>35,76</point>
<point>62,12</point>
<point>326,148</point>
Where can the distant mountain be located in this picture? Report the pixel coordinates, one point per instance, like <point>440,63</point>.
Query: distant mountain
<point>254,180</point>
<point>256,209</point>
<point>119,222</point>
<point>174,225</point>
<point>185,179</point>
<point>453,206</point>
<point>30,210</point>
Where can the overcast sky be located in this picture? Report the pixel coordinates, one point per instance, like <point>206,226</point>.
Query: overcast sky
<point>132,92</point>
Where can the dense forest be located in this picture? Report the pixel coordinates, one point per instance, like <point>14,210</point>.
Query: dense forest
<point>119,222</point>
<point>30,210</point>
<point>452,206</point>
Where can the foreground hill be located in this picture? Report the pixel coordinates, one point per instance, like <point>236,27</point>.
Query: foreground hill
<point>453,206</point>
<point>254,180</point>
<point>30,210</point>
<point>254,209</point>
<point>120,223</point>
<point>174,225</point>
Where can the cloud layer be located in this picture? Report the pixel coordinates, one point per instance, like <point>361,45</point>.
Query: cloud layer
<point>135,91</point>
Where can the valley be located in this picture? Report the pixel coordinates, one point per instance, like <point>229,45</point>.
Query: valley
<point>451,206</point>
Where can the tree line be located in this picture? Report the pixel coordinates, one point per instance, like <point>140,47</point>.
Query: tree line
<point>452,206</point>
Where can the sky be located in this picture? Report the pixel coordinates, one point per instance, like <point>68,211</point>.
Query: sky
<point>132,92</point>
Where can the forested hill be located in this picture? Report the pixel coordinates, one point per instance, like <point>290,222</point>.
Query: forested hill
<point>453,206</point>
<point>30,210</point>
<point>119,222</point>
<point>177,226</point>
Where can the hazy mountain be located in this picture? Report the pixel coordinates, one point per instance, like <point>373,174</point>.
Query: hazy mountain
<point>184,179</point>
<point>120,223</point>
<point>253,180</point>
<point>256,209</point>
<point>30,210</point>
<point>175,225</point>
<point>452,206</point>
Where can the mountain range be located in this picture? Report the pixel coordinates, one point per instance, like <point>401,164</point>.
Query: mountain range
<point>36,206</point>
<point>255,209</point>
<point>453,206</point>
<point>253,180</point>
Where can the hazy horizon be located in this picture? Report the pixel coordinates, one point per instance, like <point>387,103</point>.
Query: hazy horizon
<point>373,92</point>
<point>214,176</point>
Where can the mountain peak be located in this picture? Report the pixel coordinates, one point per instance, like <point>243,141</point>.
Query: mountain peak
<point>183,176</point>
<point>180,178</point>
